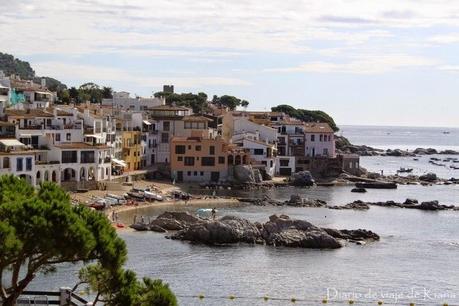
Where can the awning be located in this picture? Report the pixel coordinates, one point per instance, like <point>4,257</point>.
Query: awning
<point>11,142</point>
<point>121,163</point>
<point>25,136</point>
<point>94,136</point>
<point>147,122</point>
<point>43,92</point>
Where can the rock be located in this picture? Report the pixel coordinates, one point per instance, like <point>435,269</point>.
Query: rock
<point>283,231</point>
<point>278,231</point>
<point>258,178</point>
<point>244,174</point>
<point>228,229</point>
<point>174,221</point>
<point>352,235</point>
<point>398,153</point>
<point>429,177</point>
<point>431,205</point>
<point>156,228</point>
<point>449,152</point>
<point>296,200</point>
<point>140,226</point>
<point>357,205</point>
<point>359,190</point>
<point>302,178</point>
<point>410,202</point>
<point>422,151</point>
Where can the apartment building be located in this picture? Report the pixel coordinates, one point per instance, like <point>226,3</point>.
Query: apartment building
<point>194,159</point>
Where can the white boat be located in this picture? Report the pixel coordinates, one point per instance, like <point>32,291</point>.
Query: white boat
<point>152,196</point>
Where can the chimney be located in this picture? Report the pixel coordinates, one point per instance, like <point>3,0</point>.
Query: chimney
<point>43,82</point>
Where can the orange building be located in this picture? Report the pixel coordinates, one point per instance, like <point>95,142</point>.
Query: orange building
<point>195,159</point>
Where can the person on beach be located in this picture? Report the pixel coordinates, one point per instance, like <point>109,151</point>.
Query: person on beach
<point>142,219</point>
<point>113,216</point>
<point>214,213</point>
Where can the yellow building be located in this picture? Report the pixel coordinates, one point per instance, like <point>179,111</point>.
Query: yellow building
<point>132,150</point>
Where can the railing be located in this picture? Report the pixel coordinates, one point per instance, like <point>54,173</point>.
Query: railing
<point>62,297</point>
<point>31,127</point>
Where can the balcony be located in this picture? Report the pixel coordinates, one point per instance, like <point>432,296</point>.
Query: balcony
<point>31,127</point>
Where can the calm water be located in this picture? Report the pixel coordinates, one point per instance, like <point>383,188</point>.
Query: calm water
<point>416,260</point>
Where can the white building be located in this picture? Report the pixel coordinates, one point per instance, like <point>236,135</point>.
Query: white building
<point>122,100</point>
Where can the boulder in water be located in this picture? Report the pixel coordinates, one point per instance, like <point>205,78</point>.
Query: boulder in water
<point>302,178</point>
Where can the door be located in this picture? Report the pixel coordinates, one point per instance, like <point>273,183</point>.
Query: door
<point>214,176</point>
<point>152,159</point>
<point>179,176</point>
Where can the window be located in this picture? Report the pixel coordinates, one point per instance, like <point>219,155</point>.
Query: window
<point>69,156</point>
<point>258,151</point>
<point>165,137</point>
<point>166,126</point>
<point>189,147</point>
<point>179,149</point>
<point>180,158</point>
<point>198,148</point>
<point>19,164</point>
<point>189,173</point>
<point>271,163</point>
<point>313,137</point>
<point>201,173</point>
<point>325,152</point>
<point>212,150</point>
<point>189,161</point>
<point>68,137</point>
<point>284,162</point>
<point>321,137</point>
<point>208,161</point>
<point>58,137</point>
<point>195,125</point>
<point>195,173</point>
<point>87,157</point>
<point>221,159</point>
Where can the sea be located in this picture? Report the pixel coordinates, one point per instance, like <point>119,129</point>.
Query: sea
<point>416,260</point>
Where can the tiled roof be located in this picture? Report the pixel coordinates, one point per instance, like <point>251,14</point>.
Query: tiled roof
<point>316,127</point>
<point>196,118</point>
<point>31,113</point>
<point>80,145</point>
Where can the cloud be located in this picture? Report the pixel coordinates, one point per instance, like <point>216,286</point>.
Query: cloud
<point>451,38</point>
<point>369,64</point>
<point>106,75</point>
<point>342,19</point>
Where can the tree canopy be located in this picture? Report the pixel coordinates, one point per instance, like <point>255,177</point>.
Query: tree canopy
<point>198,102</point>
<point>306,115</point>
<point>229,101</point>
<point>11,65</point>
<point>41,228</point>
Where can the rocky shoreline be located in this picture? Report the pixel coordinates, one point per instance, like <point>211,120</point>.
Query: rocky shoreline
<point>344,146</point>
<point>277,231</point>
<point>297,201</point>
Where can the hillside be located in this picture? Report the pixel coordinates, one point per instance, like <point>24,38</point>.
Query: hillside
<point>11,65</point>
<point>307,115</point>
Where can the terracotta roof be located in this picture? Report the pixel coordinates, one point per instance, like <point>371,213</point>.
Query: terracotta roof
<point>32,113</point>
<point>168,107</point>
<point>25,85</point>
<point>316,127</point>
<point>196,118</point>
<point>80,145</point>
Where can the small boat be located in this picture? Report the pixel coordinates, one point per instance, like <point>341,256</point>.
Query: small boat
<point>152,196</point>
<point>120,225</point>
<point>405,170</point>
<point>136,195</point>
<point>446,132</point>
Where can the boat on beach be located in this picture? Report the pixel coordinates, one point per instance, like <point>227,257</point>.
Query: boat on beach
<point>405,170</point>
<point>376,185</point>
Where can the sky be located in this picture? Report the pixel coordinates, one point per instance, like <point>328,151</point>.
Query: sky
<point>365,62</point>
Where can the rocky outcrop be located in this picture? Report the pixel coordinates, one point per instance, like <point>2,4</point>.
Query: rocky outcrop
<point>358,190</point>
<point>399,153</point>
<point>174,221</point>
<point>278,231</point>
<point>244,174</point>
<point>429,177</point>
<point>409,203</point>
<point>357,205</point>
<point>295,200</point>
<point>301,179</point>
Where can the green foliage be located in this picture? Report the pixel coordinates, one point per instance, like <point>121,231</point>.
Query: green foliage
<point>11,65</point>
<point>229,101</point>
<point>123,288</point>
<point>306,115</point>
<point>198,102</point>
<point>39,229</point>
